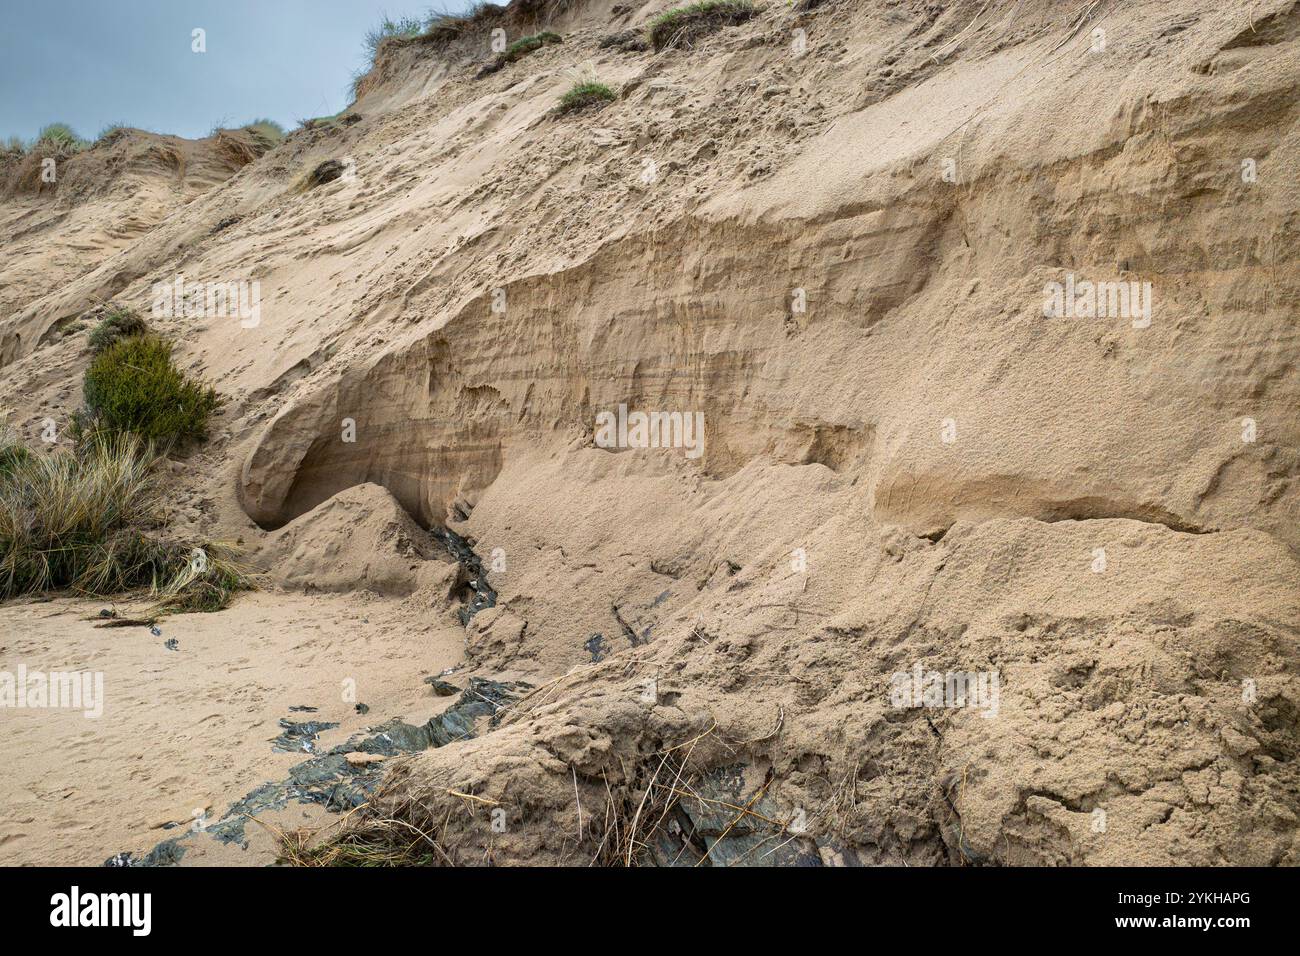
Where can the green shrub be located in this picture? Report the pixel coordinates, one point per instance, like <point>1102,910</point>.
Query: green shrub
<point>79,520</point>
<point>679,26</point>
<point>134,386</point>
<point>120,323</point>
<point>585,93</point>
<point>526,45</point>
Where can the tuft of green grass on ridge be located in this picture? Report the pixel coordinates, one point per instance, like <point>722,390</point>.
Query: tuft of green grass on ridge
<point>681,25</point>
<point>60,135</point>
<point>584,94</point>
<point>110,132</point>
<point>389,28</point>
<point>437,27</point>
<point>529,44</point>
<point>268,131</point>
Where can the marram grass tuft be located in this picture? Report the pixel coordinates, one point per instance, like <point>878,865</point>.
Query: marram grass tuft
<point>86,521</point>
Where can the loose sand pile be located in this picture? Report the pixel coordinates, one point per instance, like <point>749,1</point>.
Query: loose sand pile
<point>832,232</point>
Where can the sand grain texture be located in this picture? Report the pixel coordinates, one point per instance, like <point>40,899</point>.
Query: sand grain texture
<point>948,459</point>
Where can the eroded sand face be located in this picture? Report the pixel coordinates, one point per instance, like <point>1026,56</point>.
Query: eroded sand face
<point>907,463</point>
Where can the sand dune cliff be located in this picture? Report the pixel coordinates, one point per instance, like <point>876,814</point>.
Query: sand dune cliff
<point>988,313</point>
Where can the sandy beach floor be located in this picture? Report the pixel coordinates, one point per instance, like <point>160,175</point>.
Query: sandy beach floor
<point>186,732</point>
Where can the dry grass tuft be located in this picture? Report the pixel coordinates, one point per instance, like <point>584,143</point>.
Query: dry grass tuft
<point>634,825</point>
<point>379,843</point>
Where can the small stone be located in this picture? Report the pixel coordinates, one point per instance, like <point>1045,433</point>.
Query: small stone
<point>442,688</point>
<point>359,759</point>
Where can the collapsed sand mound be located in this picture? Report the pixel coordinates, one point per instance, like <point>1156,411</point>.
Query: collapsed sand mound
<point>360,539</point>
<point>1137,718</point>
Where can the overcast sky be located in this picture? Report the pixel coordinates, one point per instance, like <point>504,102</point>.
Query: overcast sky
<point>89,63</point>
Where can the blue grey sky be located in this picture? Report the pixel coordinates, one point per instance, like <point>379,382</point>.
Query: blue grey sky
<point>89,63</point>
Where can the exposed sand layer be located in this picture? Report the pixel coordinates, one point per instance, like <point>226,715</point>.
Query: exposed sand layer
<point>840,257</point>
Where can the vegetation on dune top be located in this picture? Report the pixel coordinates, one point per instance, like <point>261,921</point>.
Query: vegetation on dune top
<point>110,132</point>
<point>267,130</point>
<point>681,25</point>
<point>437,26</point>
<point>63,139</point>
<point>60,136</point>
<point>526,45</point>
<point>389,28</point>
<point>441,25</point>
<point>55,137</point>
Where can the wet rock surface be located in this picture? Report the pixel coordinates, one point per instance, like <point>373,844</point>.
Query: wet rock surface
<point>724,825</point>
<point>481,595</point>
<point>167,853</point>
<point>442,688</point>
<point>337,780</point>
<point>296,736</point>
